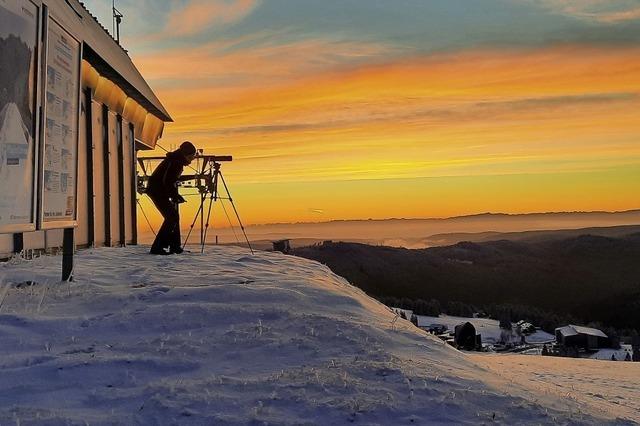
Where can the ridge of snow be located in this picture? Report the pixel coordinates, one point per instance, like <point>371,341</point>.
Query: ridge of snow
<point>230,338</point>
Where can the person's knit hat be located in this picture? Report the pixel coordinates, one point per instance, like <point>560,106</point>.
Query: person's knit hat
<point>187,148</point>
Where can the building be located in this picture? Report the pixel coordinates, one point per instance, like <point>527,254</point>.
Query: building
<point>466,338</point>
<point>436,328</point>
<point>585,338</point>
<point>82,111</point>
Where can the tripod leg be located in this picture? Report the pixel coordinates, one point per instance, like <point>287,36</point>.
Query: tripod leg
<point>226,188</point>
<point>206,227</point>
<point>145,216</point>
<point>192,225</point>
<point>203,198</point>
<point>233,228</point>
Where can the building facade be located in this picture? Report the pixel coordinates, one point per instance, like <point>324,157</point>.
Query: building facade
<point>79,91</point>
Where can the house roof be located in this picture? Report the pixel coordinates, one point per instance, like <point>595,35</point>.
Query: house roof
<point>574,330</point>
<point>106,55</point>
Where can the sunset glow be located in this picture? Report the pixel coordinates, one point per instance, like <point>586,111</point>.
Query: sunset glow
<point>515,106</point>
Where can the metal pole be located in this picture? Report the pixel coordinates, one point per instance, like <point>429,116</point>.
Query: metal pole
<point>18,243</point>
<point>67,254</point>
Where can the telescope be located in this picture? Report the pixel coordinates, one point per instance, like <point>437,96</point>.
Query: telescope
<point>203,177</point>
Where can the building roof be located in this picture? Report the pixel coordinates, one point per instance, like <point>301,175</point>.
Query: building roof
<point>106,55</point>
<point>574,330</point>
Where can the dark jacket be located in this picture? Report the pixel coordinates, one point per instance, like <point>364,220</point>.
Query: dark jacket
<point>163,181</point>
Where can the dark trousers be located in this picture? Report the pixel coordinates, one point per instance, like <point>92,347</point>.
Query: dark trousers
<point>169,233</point>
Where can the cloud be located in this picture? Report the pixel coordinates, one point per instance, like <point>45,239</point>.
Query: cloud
<point>603,11</point>
<point>277,92</point>
<point>223,62</point>
<point>433,115</point>
<point>625,15</point>
<point>198,15</point>
<point>289,118</point>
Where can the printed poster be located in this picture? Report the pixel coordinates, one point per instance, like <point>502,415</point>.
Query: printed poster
<point>61,125</point>
<point>18,50</point>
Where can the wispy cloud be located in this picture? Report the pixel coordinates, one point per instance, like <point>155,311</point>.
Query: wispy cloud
<point>198,15</point>
<point>625,15</point>
<point>475,112</point>
<point>604,11</point>
<point>284,95</point>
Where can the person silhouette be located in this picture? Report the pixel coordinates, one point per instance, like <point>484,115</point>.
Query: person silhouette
<point>163,191</point>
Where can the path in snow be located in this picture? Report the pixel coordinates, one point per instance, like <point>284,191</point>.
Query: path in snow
<point>230,338</point>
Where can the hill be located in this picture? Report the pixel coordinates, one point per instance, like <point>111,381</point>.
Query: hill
<point>528,236</point>
<point>230,338</point>
<point>593,278</point>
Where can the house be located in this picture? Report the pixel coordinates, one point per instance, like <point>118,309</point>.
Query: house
<point>585,338</point>
<point>283,246</point>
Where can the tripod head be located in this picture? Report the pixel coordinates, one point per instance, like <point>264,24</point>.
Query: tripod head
<point>205,180</point>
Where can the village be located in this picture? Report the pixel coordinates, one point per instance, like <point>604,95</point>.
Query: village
<point>481,334</point>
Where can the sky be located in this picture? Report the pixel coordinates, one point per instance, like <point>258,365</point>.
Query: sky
<point>353,109</point>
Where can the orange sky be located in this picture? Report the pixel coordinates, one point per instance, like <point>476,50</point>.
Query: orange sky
<point>339,126</point>
<point>509,119</point>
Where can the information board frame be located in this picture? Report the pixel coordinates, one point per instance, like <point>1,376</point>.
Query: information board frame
<point>42,222</point>
<point>36,103</point>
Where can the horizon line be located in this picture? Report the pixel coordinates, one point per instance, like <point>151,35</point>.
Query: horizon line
<point>471,215</point>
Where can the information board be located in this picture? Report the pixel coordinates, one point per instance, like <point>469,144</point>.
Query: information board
<point>18,71</point>
<point>60,152</point>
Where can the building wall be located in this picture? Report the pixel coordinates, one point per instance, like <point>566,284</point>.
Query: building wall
<point>114,154</point>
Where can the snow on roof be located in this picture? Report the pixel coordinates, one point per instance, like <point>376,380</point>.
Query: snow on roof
<point>227,337</point>
<point>574,330</point>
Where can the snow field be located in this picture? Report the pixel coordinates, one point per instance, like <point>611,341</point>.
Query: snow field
<point>610,387</point>
<point>229,338</point>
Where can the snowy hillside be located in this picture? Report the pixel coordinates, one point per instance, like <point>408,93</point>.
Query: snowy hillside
<point>230,338</point>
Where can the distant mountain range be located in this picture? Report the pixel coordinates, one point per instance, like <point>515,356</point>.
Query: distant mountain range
<point>529,236</point>
<point>422,233</point>
<point>592,277</point>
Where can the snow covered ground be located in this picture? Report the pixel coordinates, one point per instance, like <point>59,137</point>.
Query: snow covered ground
<point>611,387</point>
<point>231,338</point>
<point>620,354</point>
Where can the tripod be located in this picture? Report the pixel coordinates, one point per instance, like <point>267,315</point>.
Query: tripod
<point>207,184</point>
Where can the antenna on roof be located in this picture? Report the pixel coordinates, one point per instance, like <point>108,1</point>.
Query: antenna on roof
<point>117,20</point>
